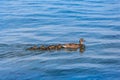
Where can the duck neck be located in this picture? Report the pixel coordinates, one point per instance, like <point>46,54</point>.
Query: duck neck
<point>81,42</point>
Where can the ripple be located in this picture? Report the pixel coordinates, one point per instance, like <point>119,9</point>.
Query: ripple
<point>25,23</point>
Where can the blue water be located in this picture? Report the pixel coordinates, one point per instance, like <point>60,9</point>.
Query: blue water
<point>24,23</point>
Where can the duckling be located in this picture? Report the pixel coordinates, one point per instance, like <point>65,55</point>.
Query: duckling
<point>32,48</point>
<point>51,47</point>
<point>59,46</point>
<point>54,47</point>
<point>42,47</point>
<point>74,46</point>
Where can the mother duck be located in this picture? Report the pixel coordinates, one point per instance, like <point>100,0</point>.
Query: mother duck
<point>73,45</point>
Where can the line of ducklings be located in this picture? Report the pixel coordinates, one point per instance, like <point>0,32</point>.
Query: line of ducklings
<point>71,46</point>
<point>50,47</point>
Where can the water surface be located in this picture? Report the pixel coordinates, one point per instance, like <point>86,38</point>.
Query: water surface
<point>24,23</point>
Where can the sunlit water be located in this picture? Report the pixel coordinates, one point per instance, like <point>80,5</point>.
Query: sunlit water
<point>24,23</point>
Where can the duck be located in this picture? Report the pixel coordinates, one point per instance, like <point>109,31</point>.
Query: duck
<point>32,48</point>
<point>59,46</point>
<point>51,47</point>
<point>73,45</point>
<point>42,47</point>
<point>54,47</point>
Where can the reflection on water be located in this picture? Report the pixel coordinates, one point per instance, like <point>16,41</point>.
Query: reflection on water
<point>24,23</point>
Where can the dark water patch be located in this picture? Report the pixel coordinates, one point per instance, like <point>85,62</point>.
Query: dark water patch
<point>105,46</point>
<point>3,45</point>
<point>110,62</point>
<point>114,36</point>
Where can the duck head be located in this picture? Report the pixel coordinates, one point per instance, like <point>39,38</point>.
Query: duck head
<point>81,41</point>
